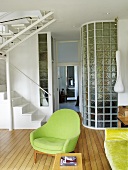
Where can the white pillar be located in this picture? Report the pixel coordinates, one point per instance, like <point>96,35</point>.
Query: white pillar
<point>9,93</point>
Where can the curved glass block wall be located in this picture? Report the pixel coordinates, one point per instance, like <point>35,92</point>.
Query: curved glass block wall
<point>99,45</point>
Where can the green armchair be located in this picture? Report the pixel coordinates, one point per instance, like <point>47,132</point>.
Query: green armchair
<point>59,135</point>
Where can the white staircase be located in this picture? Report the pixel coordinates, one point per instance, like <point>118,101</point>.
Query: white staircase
<point>26,27</point>
<point>25,115</point>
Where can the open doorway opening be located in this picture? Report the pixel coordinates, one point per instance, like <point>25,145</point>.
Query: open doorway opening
<point>68,87</point>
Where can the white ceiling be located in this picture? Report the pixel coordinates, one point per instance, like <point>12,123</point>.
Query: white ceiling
<point>71,14</point>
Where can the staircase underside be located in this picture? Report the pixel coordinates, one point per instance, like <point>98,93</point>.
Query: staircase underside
<point>11,35</point>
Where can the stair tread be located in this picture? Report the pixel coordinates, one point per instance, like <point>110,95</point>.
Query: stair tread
<point>21,105</point>
<point>39,118</point>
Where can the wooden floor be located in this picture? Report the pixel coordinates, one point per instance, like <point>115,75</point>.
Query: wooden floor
<point>16,152</point>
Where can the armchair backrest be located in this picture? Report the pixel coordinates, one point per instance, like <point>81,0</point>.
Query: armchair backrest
<point>64,123</point>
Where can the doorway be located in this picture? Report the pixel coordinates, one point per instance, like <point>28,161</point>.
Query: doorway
<point>68,87</point>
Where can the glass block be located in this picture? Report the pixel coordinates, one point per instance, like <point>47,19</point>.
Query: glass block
<point>92,61</point>
<point>43,74</point>
<point>92,83</point>
<point>114,32</point>
<point>114,40</point>
<point>106,47</point>
<point>99,25</point>
<point>92,124</point>
<point>92,117</point>
<point>100,61</point>
<point>42,64</point>
<point>113,47</point>
<point>42,47</point>
<point>91,54</point>
<point>92,96</point>
<point>106,25</point>
<point>44,83</point>
<point>107,68</point>
<point>98,33</point>
<point>107,54</point>
<point>100,68</point>
<point>100,82</point>
<point>114,124</point>
<point>107,117</point>
<point>107,61</point>
<point>113,82</point>
<point>99,75</point>
<point>114,110</point>
<point>113,54</point>
<point>113,61</point>
<point>107,110</point>
<point>99,117</point>
<point>113,68</point>
<point>93,103</point>
<point>91,33</point>
<point>92,68</point>
<point>92,75</point>
<point>114,96</point>
<point>100,89</point>
<point>99,110</point>
<point>99,104</point>
<point>99,40</point>
<point>84,28</point>
<point>114,75</point>
<point>114,103</point>
<point>91,47</point>
<point>99,96</point>
<point>91,26</point>
<point>99,47</point>
<point>100,124</point>
<point>106,32</point>
<point>114,117</point>
<point>106,40</point>
<point>107,103</point>
<point>106,89</point>
<point>107,124</point>
<point>42,37</point>
<point>99,54</point>
<point>107,75</point>
<point>91,40</point>
<point>43,56</point>
<point>107,82</point>
<point>107,97</point>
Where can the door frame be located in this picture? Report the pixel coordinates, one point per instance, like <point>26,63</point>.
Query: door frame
<point>79,73</point>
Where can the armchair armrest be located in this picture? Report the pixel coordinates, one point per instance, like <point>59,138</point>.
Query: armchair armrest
<point>116,134</point>
<point>70,144</point>
<point>38,133</point>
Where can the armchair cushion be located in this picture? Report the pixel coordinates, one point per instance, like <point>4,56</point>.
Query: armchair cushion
<point>49,143</point>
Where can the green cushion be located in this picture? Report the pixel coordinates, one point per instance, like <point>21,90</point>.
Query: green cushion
<point>117,154</point>
<point>48,143</point>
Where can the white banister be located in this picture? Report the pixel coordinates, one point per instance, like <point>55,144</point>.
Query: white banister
<point>9,92</point>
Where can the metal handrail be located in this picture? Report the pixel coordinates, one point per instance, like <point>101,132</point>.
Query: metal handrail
<point>15,19</point>
<point>30,79</point>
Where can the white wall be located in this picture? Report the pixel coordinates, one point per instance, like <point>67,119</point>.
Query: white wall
<point>123,47</point>
<point>25,58</point>
<point>67,52</point>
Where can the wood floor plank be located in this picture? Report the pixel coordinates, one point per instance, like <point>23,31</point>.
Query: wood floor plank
<point>16,152</point>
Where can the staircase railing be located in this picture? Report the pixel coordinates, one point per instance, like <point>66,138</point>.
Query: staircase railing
<point>30,79</point>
